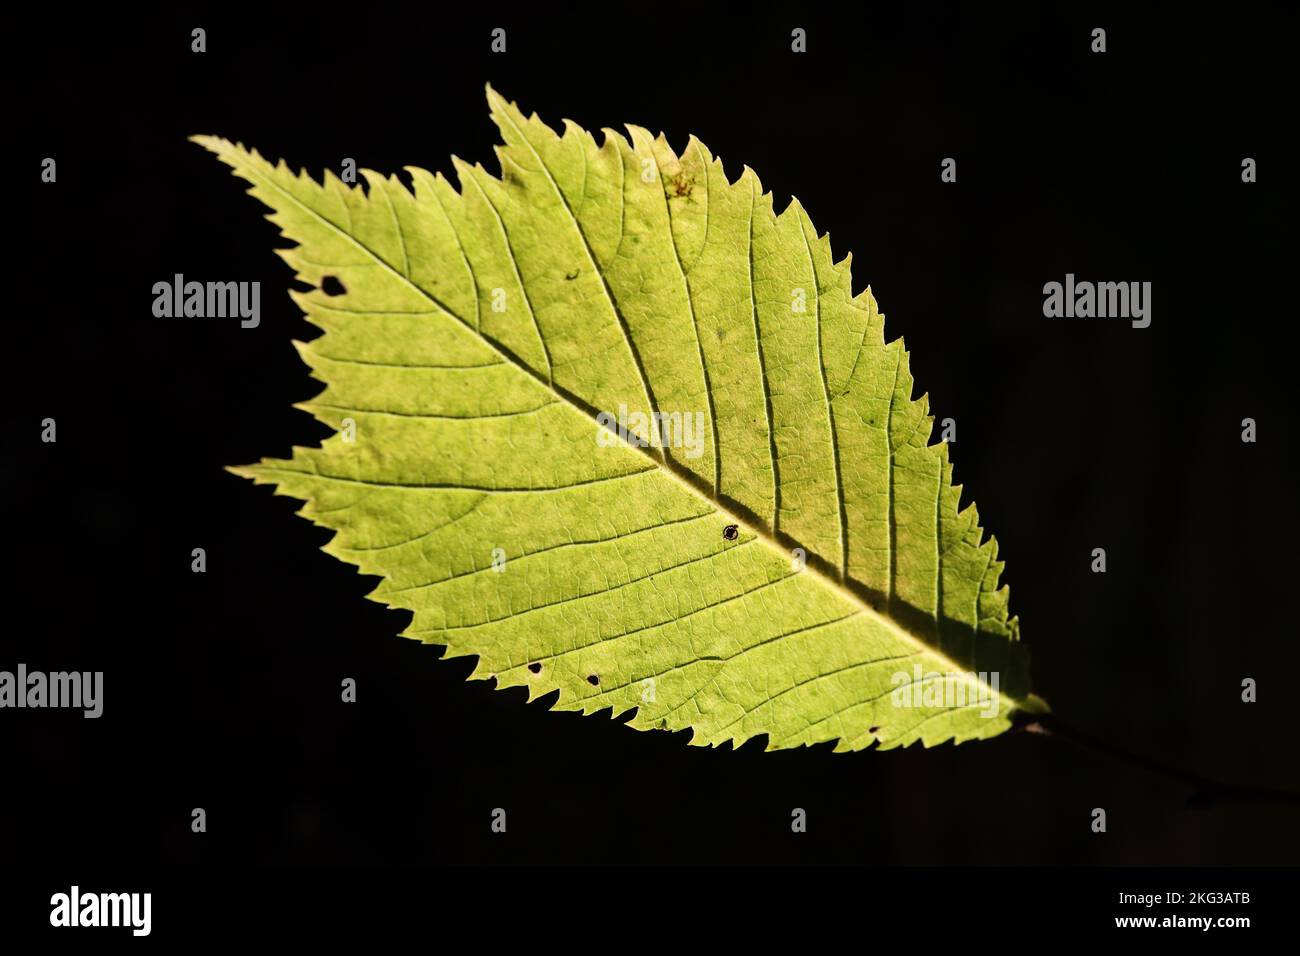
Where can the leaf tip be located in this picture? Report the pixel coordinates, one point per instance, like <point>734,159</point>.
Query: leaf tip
<point>244,471</point>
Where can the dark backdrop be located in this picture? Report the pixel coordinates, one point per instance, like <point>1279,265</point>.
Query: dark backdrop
<point>222,689</point>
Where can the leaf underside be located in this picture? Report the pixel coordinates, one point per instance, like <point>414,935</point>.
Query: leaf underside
<point>481,333</point>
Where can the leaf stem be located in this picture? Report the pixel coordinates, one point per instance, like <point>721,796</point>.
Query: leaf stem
<point>1206,793</point>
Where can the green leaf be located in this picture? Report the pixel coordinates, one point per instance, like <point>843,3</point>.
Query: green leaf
<point>481,334</point>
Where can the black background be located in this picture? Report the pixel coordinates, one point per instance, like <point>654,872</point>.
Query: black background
<point>222,689</point>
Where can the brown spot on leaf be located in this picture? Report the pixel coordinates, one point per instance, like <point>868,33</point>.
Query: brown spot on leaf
<point>680,186</point>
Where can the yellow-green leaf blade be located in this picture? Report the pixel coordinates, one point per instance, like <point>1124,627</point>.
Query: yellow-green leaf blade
<point>481,333</point>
